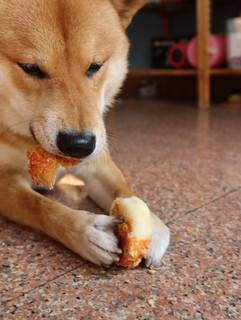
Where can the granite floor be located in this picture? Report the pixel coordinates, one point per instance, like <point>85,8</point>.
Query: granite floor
<point>186,164</point>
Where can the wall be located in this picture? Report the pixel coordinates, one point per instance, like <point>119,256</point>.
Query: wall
<point>142,29</point>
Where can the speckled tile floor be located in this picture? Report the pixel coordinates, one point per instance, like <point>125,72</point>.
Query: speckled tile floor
<point>185,163</point>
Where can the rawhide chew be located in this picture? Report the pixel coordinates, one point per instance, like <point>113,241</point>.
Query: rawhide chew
<point>43,165</point>
<point>135,232</point>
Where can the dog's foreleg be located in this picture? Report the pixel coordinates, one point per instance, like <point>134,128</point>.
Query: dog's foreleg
<point>104,183</point>
<point>90,236</point>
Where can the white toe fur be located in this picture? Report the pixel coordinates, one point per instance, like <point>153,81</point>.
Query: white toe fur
<point>96,241</point>
<point>159,243</point>
<point>102,244</point>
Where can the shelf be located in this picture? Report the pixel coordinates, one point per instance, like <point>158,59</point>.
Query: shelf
<point>225,72</point>
<point>182,72</point>
<point>183,6</point>
<point>163,72</point>
<point>172,1</point>
<point>169,7</point>
<point>202,10</point>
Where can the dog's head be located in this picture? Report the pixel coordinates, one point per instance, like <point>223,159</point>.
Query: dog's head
<point>62,62</point>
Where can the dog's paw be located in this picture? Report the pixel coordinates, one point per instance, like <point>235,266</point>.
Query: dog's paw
<point>98,242</point>
<point>159,242</point>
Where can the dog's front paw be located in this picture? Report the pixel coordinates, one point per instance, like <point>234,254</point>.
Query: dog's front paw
<point>97,241</point>
<point>159,242</point>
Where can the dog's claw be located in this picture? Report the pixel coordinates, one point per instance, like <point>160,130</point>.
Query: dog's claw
<point>118,250</point>
<point>105,223</point>
<point>117,221</point>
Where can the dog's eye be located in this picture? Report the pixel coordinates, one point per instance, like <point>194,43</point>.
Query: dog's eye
<point>94,67</point>
<point>32,70</point>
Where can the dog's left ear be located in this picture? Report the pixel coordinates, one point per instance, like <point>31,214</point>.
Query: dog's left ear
<point>127,8</point>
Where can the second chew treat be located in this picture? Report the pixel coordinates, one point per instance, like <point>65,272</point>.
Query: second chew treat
<point>135,232</point>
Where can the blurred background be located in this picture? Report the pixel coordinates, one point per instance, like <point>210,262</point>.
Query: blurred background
<point>167,38</point>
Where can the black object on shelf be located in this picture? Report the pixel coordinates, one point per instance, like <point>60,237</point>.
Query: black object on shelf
<point>159,51</point>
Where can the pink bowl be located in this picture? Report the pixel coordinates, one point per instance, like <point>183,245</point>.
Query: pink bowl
<point>217,54</point>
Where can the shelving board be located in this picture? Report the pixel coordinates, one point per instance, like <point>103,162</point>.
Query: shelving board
<point>225,72</point>
<point>163,72</point>
<point>182,72</point>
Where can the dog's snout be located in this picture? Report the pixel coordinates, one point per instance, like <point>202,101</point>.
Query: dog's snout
<point>76,144</point>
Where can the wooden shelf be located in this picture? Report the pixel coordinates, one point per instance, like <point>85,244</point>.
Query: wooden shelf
<point>172,1</point>
<point>182,72</point>
<point>164,72</point>
<point>225,72</point>
<point>173,6</point>
<point>167,8</point>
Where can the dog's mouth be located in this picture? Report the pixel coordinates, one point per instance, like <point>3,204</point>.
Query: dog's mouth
<point>33,135</point>
<point>75,160</point>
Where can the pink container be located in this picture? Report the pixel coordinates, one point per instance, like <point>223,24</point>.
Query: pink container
<point>217,51</point>
<point>177,55</point>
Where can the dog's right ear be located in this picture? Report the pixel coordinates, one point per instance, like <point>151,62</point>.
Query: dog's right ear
<point>127,8</point>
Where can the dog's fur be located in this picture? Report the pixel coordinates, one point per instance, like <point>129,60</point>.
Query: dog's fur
<point>64,38</point>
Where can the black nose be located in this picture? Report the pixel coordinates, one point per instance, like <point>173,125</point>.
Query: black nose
<point>76,144</point>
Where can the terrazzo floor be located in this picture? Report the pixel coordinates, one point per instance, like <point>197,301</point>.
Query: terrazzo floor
<point>186,164</point>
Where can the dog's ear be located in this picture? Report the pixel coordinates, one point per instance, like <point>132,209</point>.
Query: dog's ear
<point>127,8</point>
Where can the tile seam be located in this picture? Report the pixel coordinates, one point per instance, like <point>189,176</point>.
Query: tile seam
<point>205,205</point>
<point>41,285</point>
<point>168,223</point>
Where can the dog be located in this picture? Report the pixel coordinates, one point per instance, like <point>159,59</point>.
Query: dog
<point>62,63</point>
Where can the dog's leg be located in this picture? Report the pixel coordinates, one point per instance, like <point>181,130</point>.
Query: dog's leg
<point>104,183</point>
<point>91,236</point>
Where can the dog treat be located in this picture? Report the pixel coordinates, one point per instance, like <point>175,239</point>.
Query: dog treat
<point>135,232</point>
<point>43,165</point>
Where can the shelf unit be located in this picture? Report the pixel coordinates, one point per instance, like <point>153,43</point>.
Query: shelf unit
<point>203,73</point>
<point>184,72</point>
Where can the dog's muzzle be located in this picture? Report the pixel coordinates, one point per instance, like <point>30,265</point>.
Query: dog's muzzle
<point>76,144</point>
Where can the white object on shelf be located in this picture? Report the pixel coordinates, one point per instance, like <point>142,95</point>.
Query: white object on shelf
<point>233,27</point>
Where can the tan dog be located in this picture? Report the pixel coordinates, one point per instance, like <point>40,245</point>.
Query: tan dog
<point>62,62</point>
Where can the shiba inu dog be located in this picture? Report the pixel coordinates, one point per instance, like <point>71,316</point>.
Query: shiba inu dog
<point>62,62</point>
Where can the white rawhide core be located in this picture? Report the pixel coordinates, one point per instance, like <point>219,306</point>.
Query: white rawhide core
<point>135,232</point>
